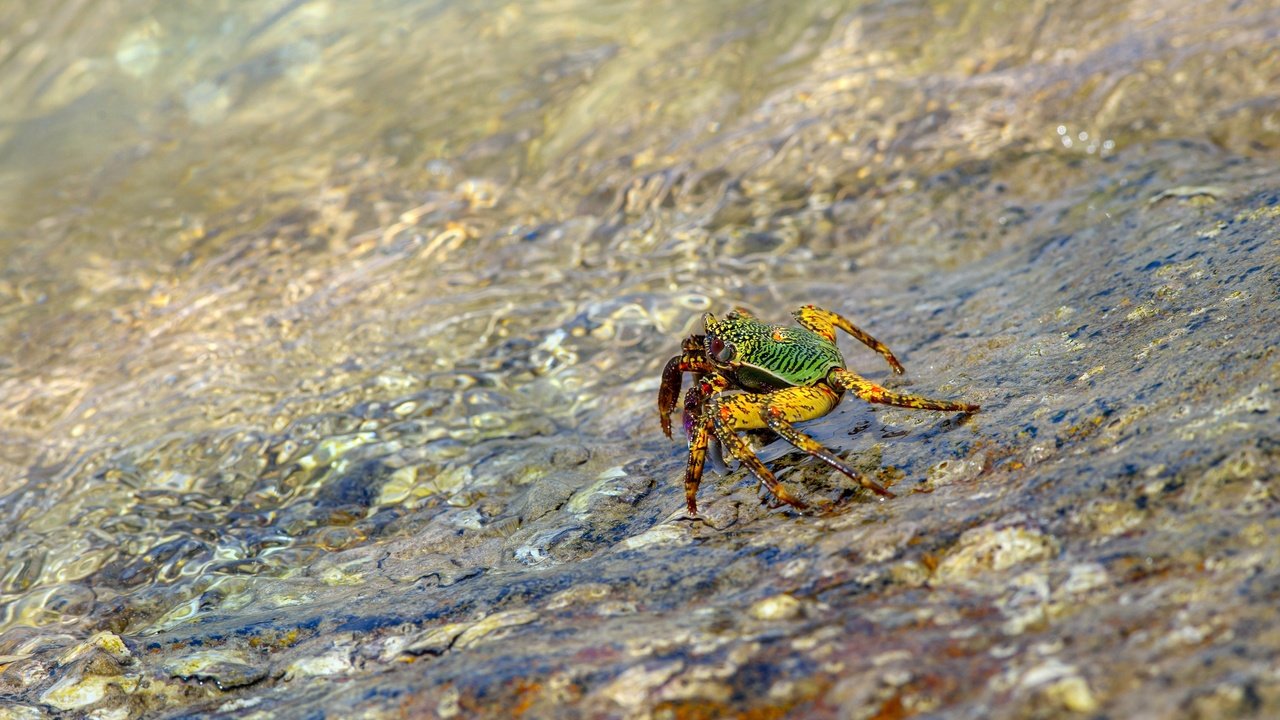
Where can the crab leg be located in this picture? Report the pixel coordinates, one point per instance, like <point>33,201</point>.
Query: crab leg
<point>738,448</point>
<point>842,380</point>
<point>779,418</point>
<point>699,437</point>
<point>691,359</point>
<point>777,411</point>
<point>825,322</point>
<point>698,425</point>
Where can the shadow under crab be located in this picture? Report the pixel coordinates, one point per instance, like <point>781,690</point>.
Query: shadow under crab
<point>750,375</point>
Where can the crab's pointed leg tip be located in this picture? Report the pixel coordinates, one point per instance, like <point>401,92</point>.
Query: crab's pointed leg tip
<point>826,507</point>
<point>683,515</point>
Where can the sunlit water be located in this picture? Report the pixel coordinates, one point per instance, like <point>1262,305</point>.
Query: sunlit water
<point>293,278</point>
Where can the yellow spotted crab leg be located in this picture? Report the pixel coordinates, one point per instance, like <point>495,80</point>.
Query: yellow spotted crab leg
<point>780,418</point>
<point>729,414</point>
<point>825,322</point>
<point>842,380</point>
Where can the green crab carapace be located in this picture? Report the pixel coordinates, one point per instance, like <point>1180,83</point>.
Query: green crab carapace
<point>749,375</point>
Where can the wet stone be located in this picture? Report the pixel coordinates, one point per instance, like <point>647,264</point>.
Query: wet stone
<point>106,642</point>
<point>995,549</point>
<point>493,623</point>
<point>1061,687</point>
<point>777,607</point>
<point>76,691</point>
<point>434,641</point>
<point>21,712</point>
<point>227,669</point>
<point>333,662</point>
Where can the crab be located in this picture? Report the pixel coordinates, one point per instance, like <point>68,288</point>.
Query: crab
<point>750,375</point>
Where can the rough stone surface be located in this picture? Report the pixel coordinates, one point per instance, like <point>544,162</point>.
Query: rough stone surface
<point>330,366</point>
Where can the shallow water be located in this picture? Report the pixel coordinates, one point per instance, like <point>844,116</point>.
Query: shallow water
<point>334,336</point>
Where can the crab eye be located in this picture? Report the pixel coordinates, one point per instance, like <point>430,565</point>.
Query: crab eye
<point>723,351</point>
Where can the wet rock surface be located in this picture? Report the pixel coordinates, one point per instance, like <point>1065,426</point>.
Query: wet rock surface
<point>376,436</point>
